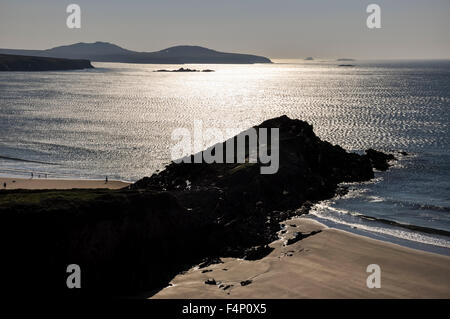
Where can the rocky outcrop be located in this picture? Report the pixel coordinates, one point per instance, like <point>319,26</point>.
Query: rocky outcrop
<point>379,160</point>
<point>242,207</point>
<point>134,240</point>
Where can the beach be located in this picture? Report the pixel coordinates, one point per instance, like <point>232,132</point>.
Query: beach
<point>329,264</point>
<point>38,183</point>
<point>196,154</point>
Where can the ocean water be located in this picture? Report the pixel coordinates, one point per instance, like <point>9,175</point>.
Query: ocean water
<point>117,119</point>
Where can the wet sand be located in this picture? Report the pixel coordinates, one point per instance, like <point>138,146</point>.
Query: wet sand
<point>329,264</point>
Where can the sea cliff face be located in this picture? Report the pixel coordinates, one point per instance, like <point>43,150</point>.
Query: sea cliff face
<point>137,239</point>
<point>10,62</point>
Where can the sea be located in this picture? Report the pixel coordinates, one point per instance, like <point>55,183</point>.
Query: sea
<point>117,120</point>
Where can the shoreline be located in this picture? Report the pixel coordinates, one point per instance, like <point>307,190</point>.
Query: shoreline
<point>52,183</point>
<point>328,264</point>
<point>385,236</point>
<point>71,183</point>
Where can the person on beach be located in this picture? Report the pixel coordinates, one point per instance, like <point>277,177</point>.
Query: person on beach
<point>4,184</point>
<point>31,175</point>
<point>106,180</point>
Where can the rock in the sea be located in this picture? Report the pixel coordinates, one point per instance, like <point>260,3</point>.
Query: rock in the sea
<point>379,160</point>
<point>184,70</point>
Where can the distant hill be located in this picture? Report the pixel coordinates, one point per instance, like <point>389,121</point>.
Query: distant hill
<point>108,52</point>
<point>9,62</point>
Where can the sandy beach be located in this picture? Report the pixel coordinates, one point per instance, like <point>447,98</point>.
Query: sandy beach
<point>37,183</point>
<point>329,264</point>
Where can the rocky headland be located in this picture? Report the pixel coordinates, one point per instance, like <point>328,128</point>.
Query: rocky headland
<point>137,239</point>
<point>9,62</point>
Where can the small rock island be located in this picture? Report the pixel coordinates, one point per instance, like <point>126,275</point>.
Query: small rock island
<point>188,214</point>
<point>184,70</point>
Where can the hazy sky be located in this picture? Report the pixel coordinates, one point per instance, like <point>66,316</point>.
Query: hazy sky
<point>273,28</point>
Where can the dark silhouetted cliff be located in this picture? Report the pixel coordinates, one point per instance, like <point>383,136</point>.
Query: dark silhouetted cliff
<point>33,63</point>
<point>137,239</point>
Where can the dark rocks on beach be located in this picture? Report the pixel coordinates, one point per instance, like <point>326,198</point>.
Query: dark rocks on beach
<point>210,261</point>
<point>134,240</point>
<point>299,236</point>
<point>206,270</point>
<point>341,190</point>
<point>258,252</point>
<point>211,281</point>
<point>246,282</point>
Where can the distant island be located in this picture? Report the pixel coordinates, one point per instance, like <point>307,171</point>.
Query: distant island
<point>9,62</point>
<point>184,70</point>
<point>345,60</point>
<point>346,65</point>
<point>108,52</point>
<point>310,58</point>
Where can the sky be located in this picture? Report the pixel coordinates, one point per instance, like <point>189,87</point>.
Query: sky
<point>410,29</point>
